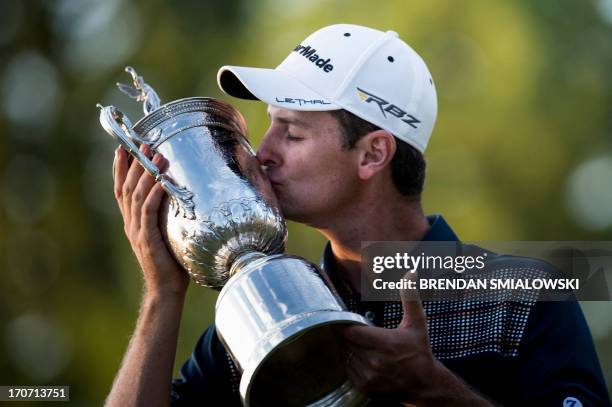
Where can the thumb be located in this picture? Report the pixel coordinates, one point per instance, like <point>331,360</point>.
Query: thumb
<point>414,315</point>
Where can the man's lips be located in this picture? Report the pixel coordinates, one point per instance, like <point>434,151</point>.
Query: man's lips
<point>267,171</point>
<point>274,181</point>
<point>273,177</point>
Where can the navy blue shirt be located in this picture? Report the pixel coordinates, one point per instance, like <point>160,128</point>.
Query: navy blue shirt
<point>514,353</point>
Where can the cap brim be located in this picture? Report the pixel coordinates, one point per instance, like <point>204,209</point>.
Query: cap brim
<point>272,86</point>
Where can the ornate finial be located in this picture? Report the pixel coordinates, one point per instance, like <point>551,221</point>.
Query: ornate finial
<point>140,91</point>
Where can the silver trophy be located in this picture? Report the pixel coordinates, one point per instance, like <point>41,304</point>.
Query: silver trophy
<point>276,314</point>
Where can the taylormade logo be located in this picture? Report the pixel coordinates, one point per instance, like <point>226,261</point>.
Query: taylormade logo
<point>311,54</point>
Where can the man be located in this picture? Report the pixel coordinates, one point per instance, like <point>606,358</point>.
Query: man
<point>351,111</point>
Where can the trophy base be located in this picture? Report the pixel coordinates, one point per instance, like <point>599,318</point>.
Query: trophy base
<point>278,320</point>
<point>303,364</point>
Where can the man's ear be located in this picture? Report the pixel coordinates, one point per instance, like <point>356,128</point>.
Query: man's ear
<point>376,149</point>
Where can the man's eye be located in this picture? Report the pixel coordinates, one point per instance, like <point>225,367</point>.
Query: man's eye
<point>294,138</point>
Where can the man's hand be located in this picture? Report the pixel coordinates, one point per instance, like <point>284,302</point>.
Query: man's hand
<point>146,372</point>
<point>139,198</point>
<point>398,363</point>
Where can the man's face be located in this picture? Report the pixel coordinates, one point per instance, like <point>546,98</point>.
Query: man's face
<point>313,176</point>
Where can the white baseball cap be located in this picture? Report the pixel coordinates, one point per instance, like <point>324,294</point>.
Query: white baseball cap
<point>372,74</point>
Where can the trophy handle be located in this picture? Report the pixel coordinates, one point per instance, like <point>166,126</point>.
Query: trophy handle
<point>117,124</point>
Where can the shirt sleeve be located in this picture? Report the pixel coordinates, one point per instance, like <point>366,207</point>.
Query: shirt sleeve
<point>205,376</point>
<point>558,365</point>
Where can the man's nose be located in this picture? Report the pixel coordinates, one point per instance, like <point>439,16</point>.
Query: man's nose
<point>266,153</point>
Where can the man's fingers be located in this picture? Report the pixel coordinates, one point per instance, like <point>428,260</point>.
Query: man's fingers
<point>162,164</point>
<point>131,180</point>
<point>139,195</point>
<point>414,315</point>
<point>355,371</point>
<point>365,337</point>
<point>120,169</point>
<point>145,183</point>
<point>367,372</point>
<point>134,175</point>
<point>150,208</point>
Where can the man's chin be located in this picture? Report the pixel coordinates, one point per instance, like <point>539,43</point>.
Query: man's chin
<point>290,213</point>
<point>278,196</point>
<point>289,210</point>
<point>285,210</point>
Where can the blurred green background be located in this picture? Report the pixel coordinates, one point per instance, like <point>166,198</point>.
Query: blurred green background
<point>522,149</point>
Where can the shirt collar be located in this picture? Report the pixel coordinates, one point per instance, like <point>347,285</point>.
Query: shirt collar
<point>439,230</point>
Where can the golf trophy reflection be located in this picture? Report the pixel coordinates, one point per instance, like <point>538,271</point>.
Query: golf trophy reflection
<point>276,313</point>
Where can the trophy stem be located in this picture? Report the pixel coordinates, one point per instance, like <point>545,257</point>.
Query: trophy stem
<point>243,259</point>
